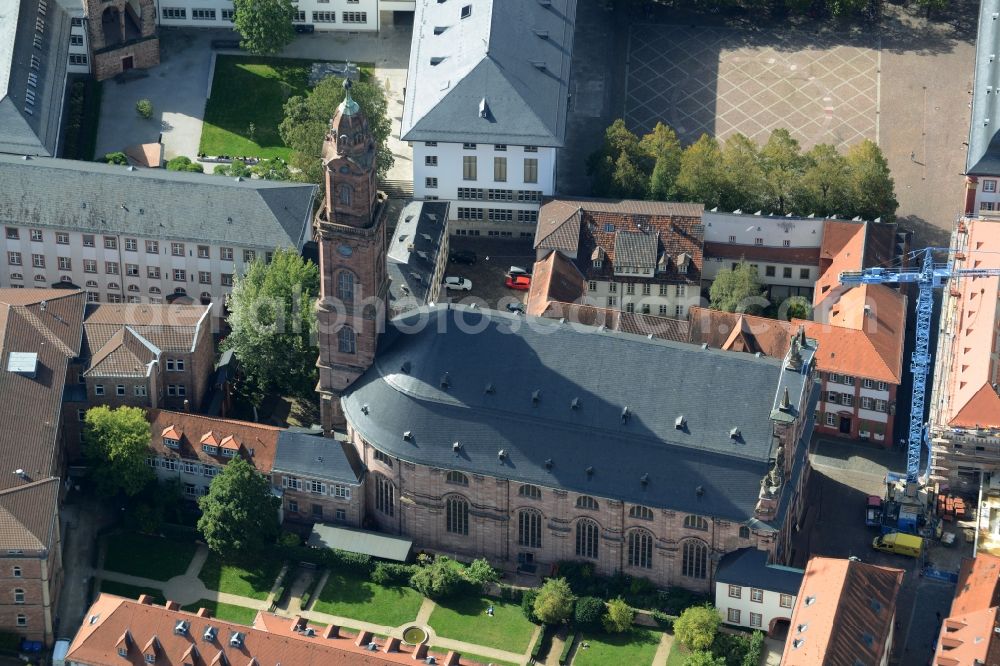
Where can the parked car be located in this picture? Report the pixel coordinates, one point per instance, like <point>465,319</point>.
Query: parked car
<point>458,284</point>
<point>518,282</point>
<point>899,543</point>
<point>515,307</point>
<point>873,514</point>
<point>517,270</point>
<point>462,257</point>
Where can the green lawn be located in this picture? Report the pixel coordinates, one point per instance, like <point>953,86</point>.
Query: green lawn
<point>223,611</point>
<point>131,591</point>
<point>677,655</point>
<point>465,619</point>
<point>243,580</point>
<point>348,594</point>
<point>468,656</point>
<point>147,556</point>
<point>637,647</point>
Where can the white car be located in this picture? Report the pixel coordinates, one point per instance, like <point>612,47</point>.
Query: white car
<point>458,284</point>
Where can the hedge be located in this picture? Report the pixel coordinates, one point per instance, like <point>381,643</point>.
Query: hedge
<point>542,642</point>
<point>392,573</point>
<point>564,655</point>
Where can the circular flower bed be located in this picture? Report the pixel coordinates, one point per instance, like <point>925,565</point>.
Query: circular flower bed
<point>414,635</point>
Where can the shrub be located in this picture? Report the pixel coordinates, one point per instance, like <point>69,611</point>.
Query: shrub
<point>541,646</point>
<point>695,629</point>
<point>481,573</point>
<point>144,108</point>
<point>437,580</point>
<point>754,650</point>
<point>278,593</point>
<point>703,658</point>
<point>290,539</point>
<point>554,603</point>
<point>619,617</point>
<point>564,655</point>
<point>182,163</point>
<point>391,574</point>
<point>528,605</point>
<point>588,611</point>
<point>115,158</point>
<point>663,620</point>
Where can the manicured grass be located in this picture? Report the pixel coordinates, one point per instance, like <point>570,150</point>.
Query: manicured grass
<point>131,591</point>
<point>465,619</point>
<point>469,657</point>
<point>223,611</point>
<point>147,556</point>
<point>348,594</point>
<point>677,655</point>
<point>637,646</point>
<point>254,581</point>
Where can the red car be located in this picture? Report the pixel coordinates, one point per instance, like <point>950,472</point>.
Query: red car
<point>519,282</point>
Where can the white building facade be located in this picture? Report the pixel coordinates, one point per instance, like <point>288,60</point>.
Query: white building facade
<point>753,594</point>
<point>349,15</point>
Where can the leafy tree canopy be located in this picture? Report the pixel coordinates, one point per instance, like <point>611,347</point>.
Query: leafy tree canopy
<point>554,603</point>
<point>439,579</point>
<point>619,617</point>
<point>737,290</point>
<point>239,515</point>
<point>116,442</point>
<point>265,25</point>
<point>696,627</point>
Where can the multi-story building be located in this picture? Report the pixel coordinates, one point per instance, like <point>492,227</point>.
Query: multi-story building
<point>964,406</point>
<point>418,255</point>
<point>970,634</point>
<point>126,631</point>
<point>40,332</point>
<point>319,479</point>
<point>485,108</point>
<point>141,236</point>
<point>34,52</point>
<point>751,593</point>
<point>845,613</point>
<point>982,162</point>
<point>635,256</point>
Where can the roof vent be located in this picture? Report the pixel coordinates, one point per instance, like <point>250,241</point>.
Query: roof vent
<point>430,660</point>
<point>209,634</point>
<point>735,434</point>
<point>502,454</point>
<point>680,423</point>
<point>181,628</point>
<point>644,479</point>
<point>699,490</point>
<point>372,647</point>
<point>589,470</point>
<point>445,380</point>
<point>574,403</point>
<point>757,355</point>
<point>801,628</point>
<point>364,409</point>
<point>484,109</point>
<point>456,447</point>
<point>405,367</point>
<point>810,600</point>
<point>549,463</point>
<point>786,403</point>
<point>236,640</point>
<point>625,414</point>
<point>310,631</point>
<point>490,388</point>
<point>704,345</point>
<point>536,396</point>
<point>797,643</point>
<point>539,65</point>
<point>544,34</point>
<point>408,435</point>
<point>23,363</point>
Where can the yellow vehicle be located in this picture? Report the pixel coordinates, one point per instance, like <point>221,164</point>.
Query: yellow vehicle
<point>899,543</point>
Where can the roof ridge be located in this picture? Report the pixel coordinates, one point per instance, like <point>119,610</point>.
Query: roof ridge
<point>46,332</point>
<point>30,484</point>
<point>263,426</point>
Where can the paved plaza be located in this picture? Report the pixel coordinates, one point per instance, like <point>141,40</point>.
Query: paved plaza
<point>720,81</point>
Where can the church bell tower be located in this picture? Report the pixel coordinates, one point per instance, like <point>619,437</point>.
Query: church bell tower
<point>350,231</point>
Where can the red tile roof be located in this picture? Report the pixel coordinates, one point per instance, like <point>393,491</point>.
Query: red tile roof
<point>554,278</point>
<point>740,332</point>
<point>112,621</point>
<point>844,612</point>
<point>978,584</point>
<point>969,633</point>
<point>194,430</point>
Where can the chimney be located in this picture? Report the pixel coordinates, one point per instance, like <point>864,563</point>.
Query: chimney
<point>172,605</point>
<point>331,631</point>
<point>203,612</point>
<point>187,405</point>
<point>145,599</point>
<point>786,403</point>
<point>363,638</point>
<point>420,652</point>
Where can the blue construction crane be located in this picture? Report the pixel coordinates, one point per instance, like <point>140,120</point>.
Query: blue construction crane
<point>928,276</point>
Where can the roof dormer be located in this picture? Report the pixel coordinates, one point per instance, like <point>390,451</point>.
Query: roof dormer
<point>229,446</point>
<point>150,649</point>
<point>123,644</point>
<point>172,437</point>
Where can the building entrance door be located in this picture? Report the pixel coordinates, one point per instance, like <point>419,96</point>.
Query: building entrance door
<point>845,425</point>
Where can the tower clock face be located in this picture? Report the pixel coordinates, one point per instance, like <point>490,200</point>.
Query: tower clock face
<point>345,250</point>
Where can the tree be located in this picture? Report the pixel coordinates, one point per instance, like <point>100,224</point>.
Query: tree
<point>528,605</point>
<point>116,442</point>
<point>619,617</point>
<point>824,186</point>
<point>276,169</point>
<point>265,25</point>
<point>737,290</point>
<point>795,307</point>
<point>663,147</point>
<point>308,118</point>
<point>273,324</point>
<point>181,163</point>
<point>700,177</point>
<point>744,182</point>
<point>438,579</point>
<point>115,158</point>
<point>697,626</point>
<point>482,573</point>
<point>618,169</point>
<point>704,658</point>
<point>239,515</point>
<point>589,611</point>
<point>236,168</point>
<point>783,168</point>
<point>871,186</point>
<point>554,603</point>
<point>144,108</point>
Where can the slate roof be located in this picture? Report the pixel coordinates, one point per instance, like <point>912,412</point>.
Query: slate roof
<point>413,252</point>
<point>154,203</point>
<point>637,249</point>
<point>258,442</point>
<point>317,457</point>
<point>749,567</point>
<point>983,157</point>
<point>508,60</point>
<point>21,23</point>
<point>606,371</point>
<point>28,515</point>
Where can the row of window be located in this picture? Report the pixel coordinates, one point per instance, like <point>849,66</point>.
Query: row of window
<point>493,194</point>
<point>499,147</point>
<point>757,595</point>
<point>496,214</point>
<point>338,490</point>
<point>196,14</point>
<point>78,59</point>
<point>331,17</point>
<point>847,400</point>
<point>771,271</point>
<point>662,310</point>
<point>317,511</point>
<point>114,268</point>
<point>186,466</point>
<point>470,168</point>
<point>494,233</point>
<point>680,290</point>
<point>733,616</point>
<point>849,380</point>
<point>132,245</point>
